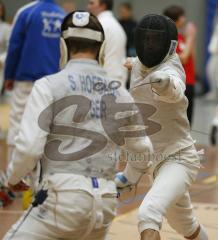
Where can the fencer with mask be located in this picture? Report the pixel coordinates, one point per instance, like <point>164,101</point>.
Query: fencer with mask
<point>65,126</point>
<point>158,79</point>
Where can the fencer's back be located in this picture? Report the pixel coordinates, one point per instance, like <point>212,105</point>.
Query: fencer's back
<point>77,142</point>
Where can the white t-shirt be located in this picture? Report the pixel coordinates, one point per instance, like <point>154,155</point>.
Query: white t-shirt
<point>115,47</point>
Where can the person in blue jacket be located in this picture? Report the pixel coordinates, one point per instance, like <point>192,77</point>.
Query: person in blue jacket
<point>34,51</point>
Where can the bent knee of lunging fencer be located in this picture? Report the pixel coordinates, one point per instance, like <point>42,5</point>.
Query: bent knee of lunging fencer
<point>185,225</point>
<point>150,234</point>
<point>149,217</point>
<point>199,234</point>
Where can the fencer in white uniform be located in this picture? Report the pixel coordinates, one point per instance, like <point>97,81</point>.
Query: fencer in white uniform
<point>158,79</point>
<point>69,124</point>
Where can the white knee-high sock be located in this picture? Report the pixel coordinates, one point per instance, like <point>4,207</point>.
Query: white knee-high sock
<point>202,234</point>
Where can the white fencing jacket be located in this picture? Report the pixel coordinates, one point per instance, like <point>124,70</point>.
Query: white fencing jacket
<point>168,128</point>
<point>61,104</point>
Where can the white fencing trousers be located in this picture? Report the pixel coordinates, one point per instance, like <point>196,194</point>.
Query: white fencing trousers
<point>18,101</point>
<point>66,215</point>
<point>169,196</point>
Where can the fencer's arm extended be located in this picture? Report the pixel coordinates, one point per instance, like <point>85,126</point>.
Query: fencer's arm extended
<point>138,150</point>
<point>168,86</point>
<point>31,139</point>
<point>138,164</point>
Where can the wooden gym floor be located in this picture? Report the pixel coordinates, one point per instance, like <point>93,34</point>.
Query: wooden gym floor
<point>204,195</point>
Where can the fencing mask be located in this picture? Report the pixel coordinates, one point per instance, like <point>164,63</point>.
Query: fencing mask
<point>155,39</point>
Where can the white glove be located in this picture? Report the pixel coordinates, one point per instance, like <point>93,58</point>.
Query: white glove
<point>160,81</point>
<point>130,61</point>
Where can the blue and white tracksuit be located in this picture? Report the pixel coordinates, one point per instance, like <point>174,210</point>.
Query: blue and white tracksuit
<point>34,51</point>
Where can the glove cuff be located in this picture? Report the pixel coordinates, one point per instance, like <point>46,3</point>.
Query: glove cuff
<point>122,178</point>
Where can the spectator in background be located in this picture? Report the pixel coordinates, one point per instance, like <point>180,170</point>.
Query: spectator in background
<point>114,50</point>
<point>212,73</point>
<point>69,6</point>
<point>34,51</point>
<point>5,30</point>
<point>185,49</point>
<point>129,24</point>
<point>212,69</point>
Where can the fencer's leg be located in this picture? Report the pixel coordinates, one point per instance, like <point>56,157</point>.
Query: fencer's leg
<point>170,184</point>
<point>63,215</point>
<point>195,234</point>
<point>10,153</point>
<point>109,211</point>
<point>150,234</point>
<point>181,218</point>
<point>30,228</point>
<point>199,234</point>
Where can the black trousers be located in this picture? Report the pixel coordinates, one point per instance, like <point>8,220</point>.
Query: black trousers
<point>190,94</point>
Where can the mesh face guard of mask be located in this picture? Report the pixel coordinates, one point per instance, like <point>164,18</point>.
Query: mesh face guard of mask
<point>155,39</point>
